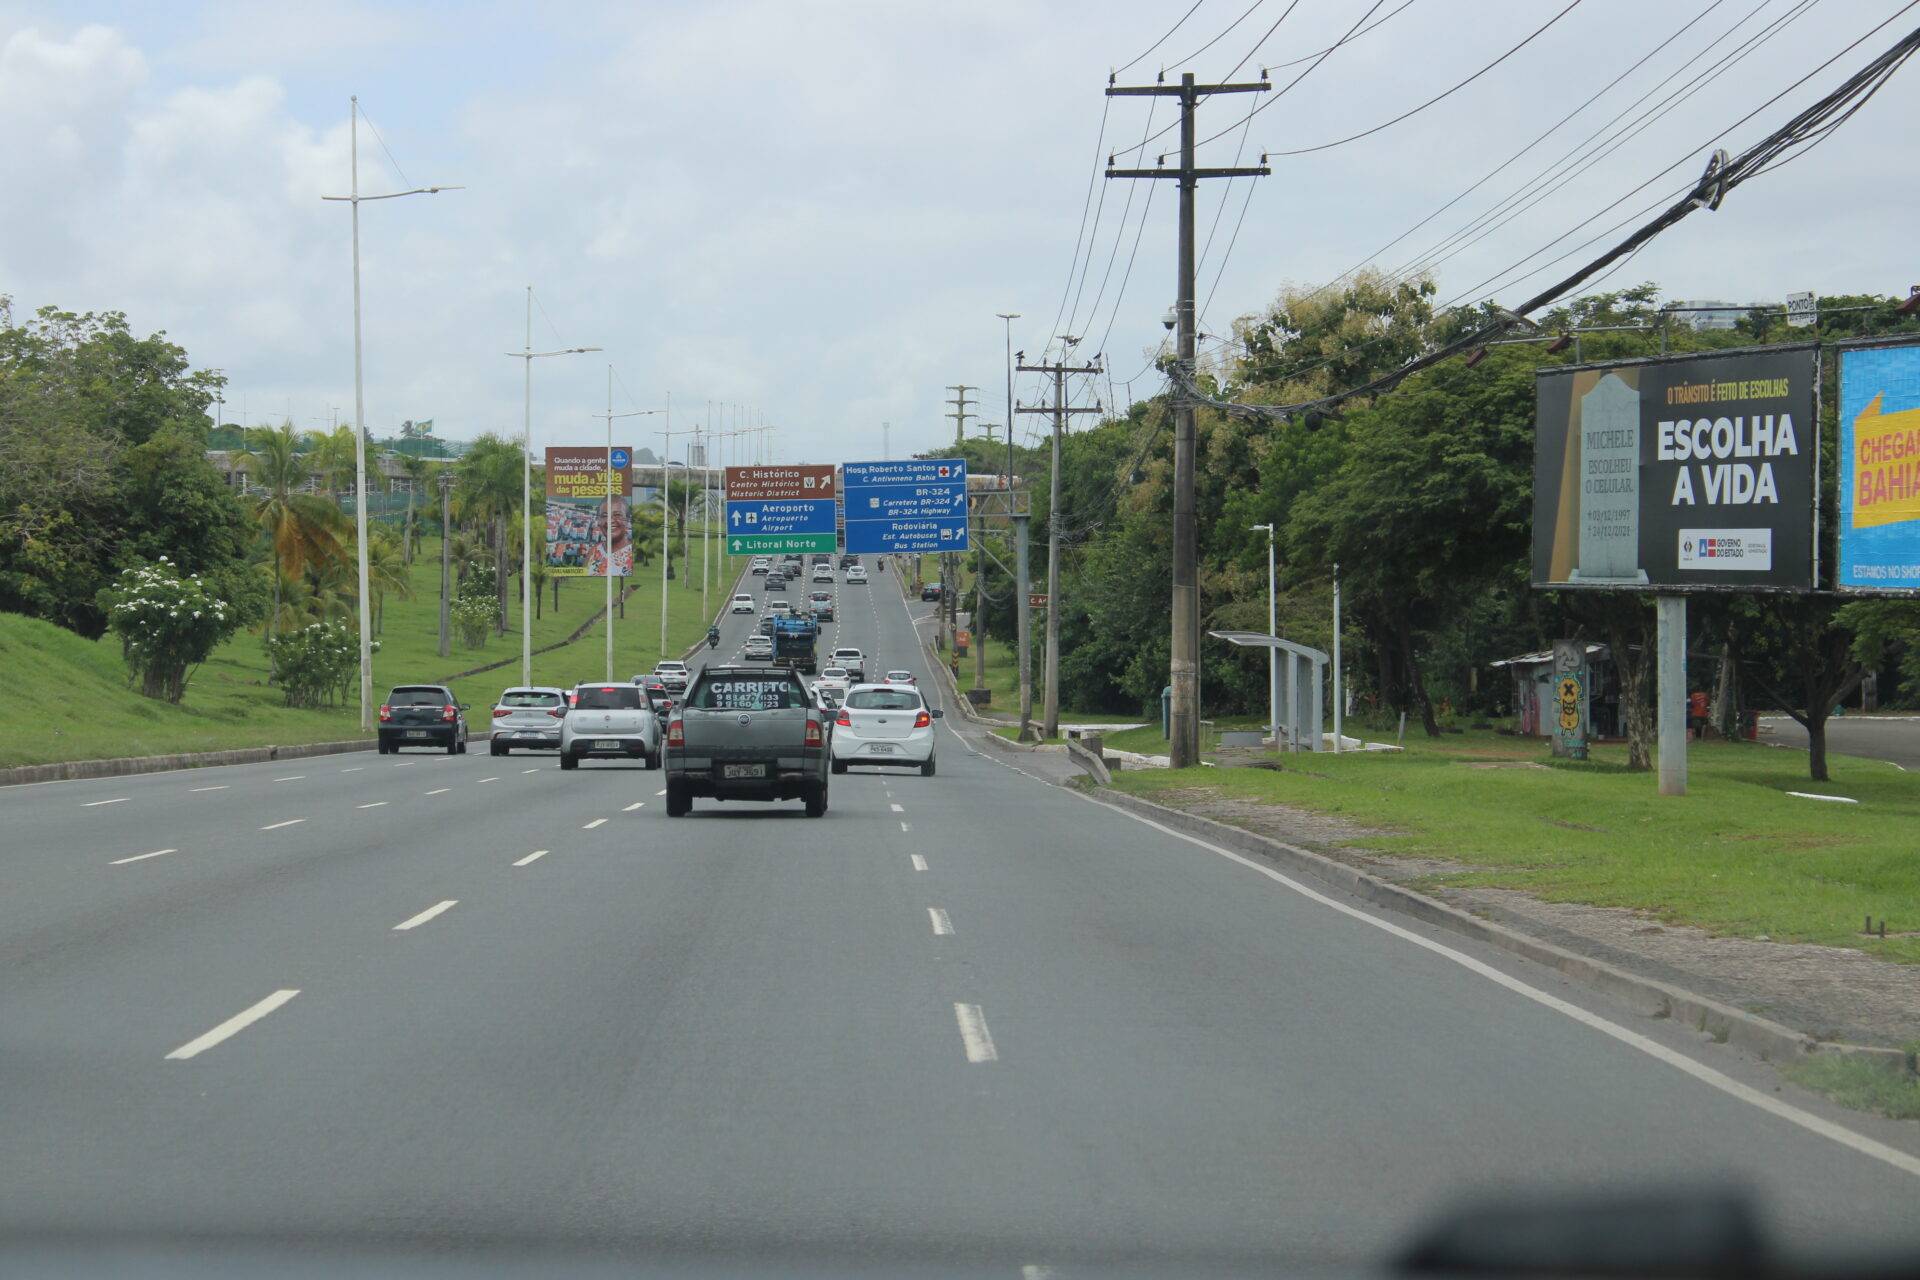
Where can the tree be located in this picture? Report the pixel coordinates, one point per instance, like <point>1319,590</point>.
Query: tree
<point>488,490</point>
<point>387,572</point>
<point>167,624</point>
<point>419,471</point>
<point>301,531</point>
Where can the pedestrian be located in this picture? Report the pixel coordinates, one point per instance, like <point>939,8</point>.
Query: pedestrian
<point>1697,713</point>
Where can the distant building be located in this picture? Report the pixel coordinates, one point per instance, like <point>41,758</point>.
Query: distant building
<point>1714,313</point>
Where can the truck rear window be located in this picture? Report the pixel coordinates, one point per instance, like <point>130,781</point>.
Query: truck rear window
<point>609,697</point>
<point>748,693</point>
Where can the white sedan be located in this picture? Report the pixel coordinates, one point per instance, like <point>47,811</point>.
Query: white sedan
<point>856,576</point>
<point>744,604</point>
<point>884,724</point>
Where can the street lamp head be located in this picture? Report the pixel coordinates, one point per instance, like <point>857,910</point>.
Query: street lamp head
<point>1261,528</point>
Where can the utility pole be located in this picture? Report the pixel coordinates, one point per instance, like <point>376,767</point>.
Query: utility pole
<point>1184,729</point>
<point>626,497</point>
<point>1050,715</point>
<point>960,414</point>
<point>445,482</point>
<point>1023,624</point>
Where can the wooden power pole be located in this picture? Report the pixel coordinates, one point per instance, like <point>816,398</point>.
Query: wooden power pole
<point>1184,729</point>
<point>1059,409</point>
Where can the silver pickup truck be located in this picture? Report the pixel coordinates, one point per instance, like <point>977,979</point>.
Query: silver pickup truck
<point>747,733</point>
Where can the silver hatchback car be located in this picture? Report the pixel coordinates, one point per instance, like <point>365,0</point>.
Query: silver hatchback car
<point>528,717</point>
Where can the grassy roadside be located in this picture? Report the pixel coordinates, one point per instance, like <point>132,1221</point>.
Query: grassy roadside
<point>1736,856</point>
<point>230,704</point>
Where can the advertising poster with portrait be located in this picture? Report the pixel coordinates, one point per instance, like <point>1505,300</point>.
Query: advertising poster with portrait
<point>583,496</point>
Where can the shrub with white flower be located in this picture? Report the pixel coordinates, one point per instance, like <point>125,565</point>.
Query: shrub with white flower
<point>317,665</point>
<point>166,624</point>
<point>473,617</point>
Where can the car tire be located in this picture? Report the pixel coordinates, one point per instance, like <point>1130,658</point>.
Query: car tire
<point>495,749</point>
<point>380,745</point>
<point>926,770</point>
<point>653,758</point>
<point>817,800</point>
<point>569,760</point>
<point>839,766</point>
<point>453,746</point>
<point>679,803</point>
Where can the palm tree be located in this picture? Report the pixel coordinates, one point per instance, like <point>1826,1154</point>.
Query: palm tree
<point>418,471</point>
<point>387,570</point>
<point>489,490</point>
<point>302,530</point>
<point>332,459</point>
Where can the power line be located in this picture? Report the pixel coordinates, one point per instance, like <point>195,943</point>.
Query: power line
<point>1351,35</point>
<point>1216,40</point>
<point>1163,39</point>
<point>1268,35</point>
<point>1387,124</point>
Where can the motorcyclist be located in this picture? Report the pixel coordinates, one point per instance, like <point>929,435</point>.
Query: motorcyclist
<point>713,637</point>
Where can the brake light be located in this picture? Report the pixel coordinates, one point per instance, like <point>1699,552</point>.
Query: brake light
<point>843,720</point>
<point>813,733</point>
<point>677,733</point>
<point>558,713</point>
<point>449,711</point>
<point>501,711</point>
<point>922,720</point>
<point>386,712</point>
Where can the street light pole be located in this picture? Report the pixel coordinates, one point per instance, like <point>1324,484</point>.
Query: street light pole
<point>354,198</point>
<point>529,355</point>
<point>666,515</point>
<point>610,416</point>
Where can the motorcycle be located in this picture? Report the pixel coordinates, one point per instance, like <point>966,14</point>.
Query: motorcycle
<point>713,637</point>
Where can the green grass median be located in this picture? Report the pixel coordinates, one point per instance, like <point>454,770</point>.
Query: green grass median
<point>1737,855</point>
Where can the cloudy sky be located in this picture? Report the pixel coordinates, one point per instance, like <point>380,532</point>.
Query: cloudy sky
<point>814,210</point>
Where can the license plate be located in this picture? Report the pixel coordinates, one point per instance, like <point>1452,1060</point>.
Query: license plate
<point>416,733</point>
<point>608,744</point>
<point>882,748</point>
<point>743,771</point>
<point>528,733</point>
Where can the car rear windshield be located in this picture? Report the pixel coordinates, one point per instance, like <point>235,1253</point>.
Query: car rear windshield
<point>748,693</point>
<point>609,697</point>
<point>417,698</point>
<point>884,700</point>
<point>529,698</point>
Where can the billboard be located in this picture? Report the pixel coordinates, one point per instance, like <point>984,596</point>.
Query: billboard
<point>578,490</point>
<point>1689,473</point>
<point>1880,468</point>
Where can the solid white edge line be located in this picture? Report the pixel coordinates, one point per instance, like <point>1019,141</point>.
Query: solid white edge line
<point>95,804</point>
<point>591,825</point>
<point>426,915</point>
<point>140,857</point>
<point>919,863</point>
<point>532,857</point>
<point>973,1033</point>
<point>1652,1048</point>
<point>942,926</point>
<point>238,1022</point>
<point>290,822</point>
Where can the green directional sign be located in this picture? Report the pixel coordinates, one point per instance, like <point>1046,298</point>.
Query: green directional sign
<point>760,544</point>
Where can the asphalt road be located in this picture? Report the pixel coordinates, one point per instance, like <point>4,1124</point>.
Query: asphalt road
<point>972,1020</point>
<point>1895,738</point>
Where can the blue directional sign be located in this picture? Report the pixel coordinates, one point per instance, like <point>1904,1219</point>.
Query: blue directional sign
<point>915,506</point>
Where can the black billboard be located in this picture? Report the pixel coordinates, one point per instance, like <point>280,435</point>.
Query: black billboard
<point>1686,473</point>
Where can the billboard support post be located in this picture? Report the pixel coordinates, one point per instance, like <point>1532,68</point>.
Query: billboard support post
<point>1670,692</point>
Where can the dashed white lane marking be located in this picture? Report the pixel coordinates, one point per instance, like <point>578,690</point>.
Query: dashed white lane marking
<point>906,826</point>
<point>290,822</point>
<point>140,857</point>
<point>1033,1271</point>
<point>292,777</point>
<point>941,925</point>
<point>95,804</point>
<point>637,804</point>
<point>494,778</point>
<point>354,769</point>
<point>536,855</point>
<point>660,792</point>
<point>529,771</point>
<point>375,805</point>
<point>896,808</point>
<point>919,863</point>
<point>591,825</point>
<point>401,764</point>
<point>439,791</point>
<point>426,915</point>
<point>237,1023</point>
<point>221,787</point>
<point>1700,1071</point>
<point>973,1032</point>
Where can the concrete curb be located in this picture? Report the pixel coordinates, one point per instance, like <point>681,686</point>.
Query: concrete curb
<point>124,766</point>
<point>1719,1022</point>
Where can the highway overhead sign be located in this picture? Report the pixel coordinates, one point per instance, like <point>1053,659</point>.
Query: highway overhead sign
<point>915,506</point>
<point>780,509</point>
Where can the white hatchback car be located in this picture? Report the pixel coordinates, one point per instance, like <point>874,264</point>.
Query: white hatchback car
<point>528,717</point>
<point>744,604</point>
<point>856,575</point>
<point>884,724</point>
<point>610,720</point>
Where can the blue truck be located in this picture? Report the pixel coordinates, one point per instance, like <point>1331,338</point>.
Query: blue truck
<point>794,639</point>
